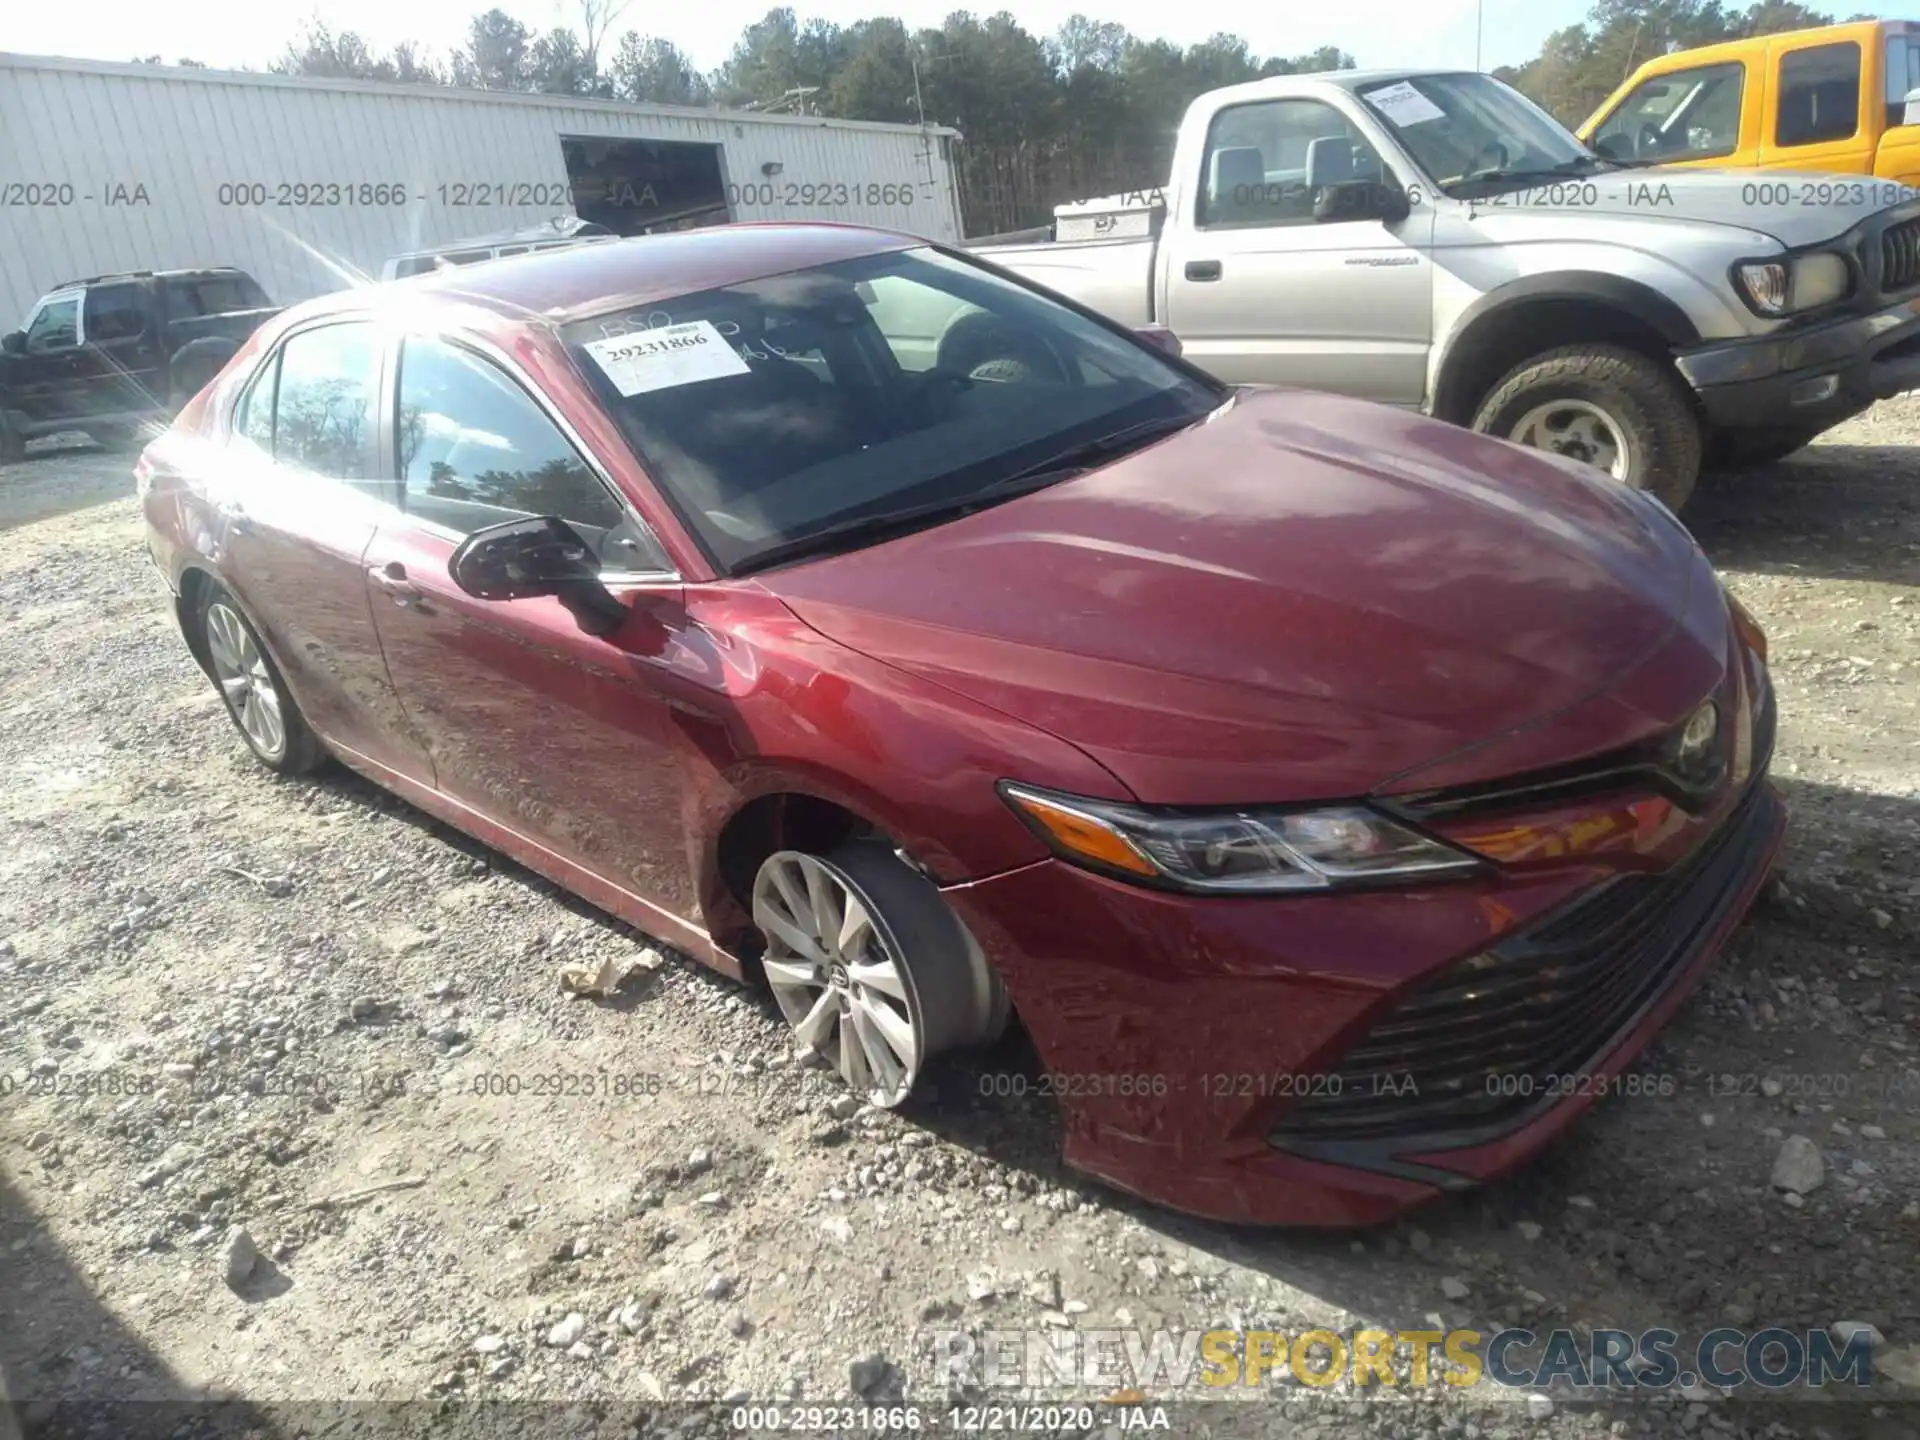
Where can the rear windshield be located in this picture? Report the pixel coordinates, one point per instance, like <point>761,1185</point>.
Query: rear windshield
<point>214,295</point>
<point>771,410</point>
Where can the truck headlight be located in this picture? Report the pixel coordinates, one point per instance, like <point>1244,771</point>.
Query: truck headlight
<point>1786,287</point>
<point>1234,851</point>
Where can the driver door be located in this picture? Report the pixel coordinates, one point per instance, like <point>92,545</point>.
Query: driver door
<point>569,740</point>
<point>1260,292</point>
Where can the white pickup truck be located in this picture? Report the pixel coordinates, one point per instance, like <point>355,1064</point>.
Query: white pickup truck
<point>1437,241</point>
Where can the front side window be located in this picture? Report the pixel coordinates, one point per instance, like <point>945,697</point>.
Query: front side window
<point>475,450</point>
<point>1903,76</point>
<point>840,398</point>
<point>1682,115</point>
<point>325,416</point>
<point>1474,135</point>
<point>1261,161</point>
<point>1819,95</point>
<point>54,326</point>
<point>115,312</point>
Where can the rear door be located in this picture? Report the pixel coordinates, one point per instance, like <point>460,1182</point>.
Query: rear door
<point>122,364</point>
<point>300,496</point>
<point>1820,115</point>
<point>1259,292</point>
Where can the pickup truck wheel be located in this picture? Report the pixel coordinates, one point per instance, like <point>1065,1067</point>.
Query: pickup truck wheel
<point>193,367</point>
<point>1610,407</point>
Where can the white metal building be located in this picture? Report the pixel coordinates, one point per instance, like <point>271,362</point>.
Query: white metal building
<point>312,184</point>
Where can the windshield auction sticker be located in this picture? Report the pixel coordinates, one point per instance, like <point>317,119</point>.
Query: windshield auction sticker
<point>1404,105</point>
<point>665,358</point>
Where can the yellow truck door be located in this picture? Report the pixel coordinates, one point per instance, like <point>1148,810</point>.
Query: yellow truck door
<point>1899,155</point>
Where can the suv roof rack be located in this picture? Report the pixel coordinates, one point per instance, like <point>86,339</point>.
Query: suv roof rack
<point>148,275</point>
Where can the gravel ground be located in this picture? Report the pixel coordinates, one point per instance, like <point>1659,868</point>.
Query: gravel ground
<point>305,1010</point>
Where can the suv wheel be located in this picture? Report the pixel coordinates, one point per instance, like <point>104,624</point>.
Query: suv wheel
<point>257,698</point>
<point>871,968</point>
<point>1609,407</point>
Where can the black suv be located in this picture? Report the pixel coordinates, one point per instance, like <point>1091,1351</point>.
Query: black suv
<point>107,354</point>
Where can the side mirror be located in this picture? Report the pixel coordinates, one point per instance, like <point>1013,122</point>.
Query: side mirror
<point>541,556</point>
<point>1361,200</point>
<point>1161,338</point>
<point>14,342</point>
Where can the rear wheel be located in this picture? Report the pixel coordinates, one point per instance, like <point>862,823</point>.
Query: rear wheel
<point>256,696</point>
<point>871,968</point>
<point>1612,408</point>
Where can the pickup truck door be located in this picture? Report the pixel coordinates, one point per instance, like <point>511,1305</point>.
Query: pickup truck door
<point>1898,154</point>
<point>43,382</point>
<point>1820,115</point>
<point>1259,292</point>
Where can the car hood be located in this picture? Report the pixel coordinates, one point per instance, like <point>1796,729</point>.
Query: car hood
<point>1791,212</point>
<point>1300,598</point>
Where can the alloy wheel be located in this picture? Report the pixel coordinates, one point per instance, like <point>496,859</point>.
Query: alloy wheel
<point>1577,429</point>
<point>245,681</point>
<point>839,977</point>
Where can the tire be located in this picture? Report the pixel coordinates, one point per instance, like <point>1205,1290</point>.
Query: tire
<point>1600,388</point>
<point>193,367</point>
<point>909,981</point>
<point>256,696</point>
<point>1739,449</point>
<point>13,444</point>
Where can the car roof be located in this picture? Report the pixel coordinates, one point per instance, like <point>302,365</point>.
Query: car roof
<point>560,286</point>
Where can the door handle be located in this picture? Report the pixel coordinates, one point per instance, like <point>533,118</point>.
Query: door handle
<point>1203,270</point>
<point>392,578</point>
<point>235,518</point>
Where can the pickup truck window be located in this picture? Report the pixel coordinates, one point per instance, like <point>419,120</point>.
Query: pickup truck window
<point>1474,136</point>
<point>1689,114</point>
<point>774,413</point>
<point>55,325</point>
<point>115,312</point>
<point>1254,171</point>
<point>1903,76</point>
<point>1819,95</point>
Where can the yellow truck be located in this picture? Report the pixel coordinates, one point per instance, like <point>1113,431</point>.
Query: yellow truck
<point>1839,99</point>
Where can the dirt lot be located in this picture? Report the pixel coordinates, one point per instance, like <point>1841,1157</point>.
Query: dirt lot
<point>300,1007</point>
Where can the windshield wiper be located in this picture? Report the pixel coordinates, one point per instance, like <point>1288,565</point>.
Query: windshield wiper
<point>886,523</point>
<point>1566,169</point>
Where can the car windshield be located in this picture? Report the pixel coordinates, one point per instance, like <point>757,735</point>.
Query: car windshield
<point>780,415</point>
<point>1475,136</point>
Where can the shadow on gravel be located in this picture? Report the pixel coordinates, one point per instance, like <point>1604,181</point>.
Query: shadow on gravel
<point>73,1368</point>
<point>56,481</point>
<point>1848,512</point>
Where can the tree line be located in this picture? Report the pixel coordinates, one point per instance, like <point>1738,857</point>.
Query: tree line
<point>1089,110</point>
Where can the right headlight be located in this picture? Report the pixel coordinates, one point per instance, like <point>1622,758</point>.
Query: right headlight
<point>1777,288</point>
<point>1241,851</point>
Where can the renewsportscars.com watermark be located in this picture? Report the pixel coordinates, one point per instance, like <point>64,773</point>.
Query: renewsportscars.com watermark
<point>1138,1362</point>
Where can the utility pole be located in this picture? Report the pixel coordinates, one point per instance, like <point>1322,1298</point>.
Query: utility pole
<point>1479,29</point>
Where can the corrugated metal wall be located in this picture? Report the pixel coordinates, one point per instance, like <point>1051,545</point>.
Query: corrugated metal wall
<point>86,134</point>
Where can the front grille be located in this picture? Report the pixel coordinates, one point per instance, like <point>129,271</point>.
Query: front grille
<point>1900,256</point>
<point>1473,1052</point>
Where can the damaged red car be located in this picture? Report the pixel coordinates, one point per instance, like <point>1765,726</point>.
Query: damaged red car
<point>1339,799</point>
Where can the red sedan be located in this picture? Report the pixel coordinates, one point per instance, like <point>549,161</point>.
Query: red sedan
<point>1340,799</point>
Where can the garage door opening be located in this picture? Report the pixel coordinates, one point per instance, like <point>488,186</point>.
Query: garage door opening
<point>643,187</point>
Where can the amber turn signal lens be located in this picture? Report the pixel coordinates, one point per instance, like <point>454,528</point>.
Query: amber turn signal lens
<point>1083,835</point>
<point>1748,628</point>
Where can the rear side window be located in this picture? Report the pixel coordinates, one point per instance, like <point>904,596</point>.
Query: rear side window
<point>475,450</point>
<point>115,312</point>
<point>325,412</point>
<point>253,416</point>
<point>418,265</point>
<point>1681,115</point>
<point>196,295</point>
<point>1819,95</point>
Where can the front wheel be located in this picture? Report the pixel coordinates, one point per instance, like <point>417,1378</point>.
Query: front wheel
<point>870,966</point>
<point>1615,409</point>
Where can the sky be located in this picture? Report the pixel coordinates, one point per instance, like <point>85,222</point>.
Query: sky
<point>1376,32</point>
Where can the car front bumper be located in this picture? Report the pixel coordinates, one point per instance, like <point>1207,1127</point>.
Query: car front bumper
<point>1813,377</point>
<point>1200,1050</point>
